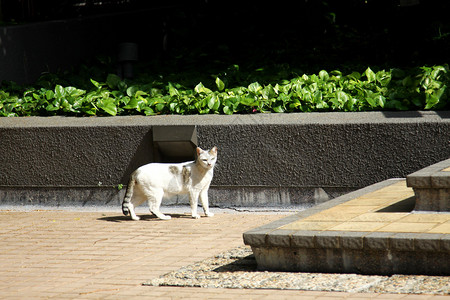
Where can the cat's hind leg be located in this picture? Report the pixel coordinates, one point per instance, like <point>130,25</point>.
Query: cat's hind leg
<point>132,212</point>
<point>130,197</point>
<point>154,199</point>
<point>135,201</point>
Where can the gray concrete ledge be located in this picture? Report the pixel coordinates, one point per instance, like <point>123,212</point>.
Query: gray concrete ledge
<point>264,159</point>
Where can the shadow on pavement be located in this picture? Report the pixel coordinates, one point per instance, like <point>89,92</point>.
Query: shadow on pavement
<point>143,218</point>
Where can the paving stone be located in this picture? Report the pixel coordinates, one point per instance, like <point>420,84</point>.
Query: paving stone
<point>303,239</point>
<point>378,240</point>
<point>440,180</point>
<point>403,241</point>
<point>422,180</point>
<point>255,237</point>
<point>352,240</point>
<point>327,239</point>
<point>445,243</point>
<point>428,242</point>
<point>279,238</point>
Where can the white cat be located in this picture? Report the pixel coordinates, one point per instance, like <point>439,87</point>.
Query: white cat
<point>153,181</point>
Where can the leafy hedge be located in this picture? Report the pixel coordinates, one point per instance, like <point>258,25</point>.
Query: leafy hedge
<point>414,89</point>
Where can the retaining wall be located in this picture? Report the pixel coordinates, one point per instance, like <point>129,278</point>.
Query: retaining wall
<point>264,159</point>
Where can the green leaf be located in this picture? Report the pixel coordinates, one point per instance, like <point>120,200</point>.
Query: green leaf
<point>323,75</point>
<point>201,89</point>
<point>131,91</point>
<point>375,99</point>
<point>108,105</point>
<point>254,87</point>
<point>160,107</point>
<point>213,102</point>
<point>381,100</point>
<point>132,104</point>
<point>248,101</point>
<point>370,98</point>
<point>350,104</point>
<point>355,75</point>
<point>59,92</point>
<point>96,84</point>
<point>49,94</point>
<point>417,101</point>
<point>172,90</point>
<point>51,108</point>
<point>173,106</point>
<point>113,81</point>
<point>318,97</point>
<point>73,92</point>
<point>268,92</point>
<point>227,110</point>
<point>434,98</point>
<point>338,100</point>
<point>140,93</point>
<point>219,83</point>
<point>371,76</point>
<point>36,96</point>
<point>408,82</point>
<point>149,111</point>
<point>278,109</point>
<point>435,74</point>
<point>383,77</point>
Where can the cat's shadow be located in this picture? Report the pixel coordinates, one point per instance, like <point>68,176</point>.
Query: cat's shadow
<point>148,217</point>
<point>242,264</point>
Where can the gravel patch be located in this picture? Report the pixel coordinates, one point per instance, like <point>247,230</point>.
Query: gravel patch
<point>236,269</point>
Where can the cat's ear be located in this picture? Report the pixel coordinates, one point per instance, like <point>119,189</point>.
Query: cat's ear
<point>213,150</point>
<point>199,150</point>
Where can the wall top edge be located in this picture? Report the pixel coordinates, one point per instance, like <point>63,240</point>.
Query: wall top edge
<point>251,119</point>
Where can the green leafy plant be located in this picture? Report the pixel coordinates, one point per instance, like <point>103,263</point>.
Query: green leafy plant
<point>419,88</point>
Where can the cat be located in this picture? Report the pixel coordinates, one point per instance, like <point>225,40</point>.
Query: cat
<point>153,181</point>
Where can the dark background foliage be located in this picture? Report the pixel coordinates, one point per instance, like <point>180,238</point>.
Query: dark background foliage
<point>311,34</point>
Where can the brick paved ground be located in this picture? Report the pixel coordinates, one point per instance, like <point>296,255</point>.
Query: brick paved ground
<point>95,255</point>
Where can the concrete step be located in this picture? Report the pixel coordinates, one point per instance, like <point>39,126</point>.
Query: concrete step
<point>431,186</point>
<point>371,231</point>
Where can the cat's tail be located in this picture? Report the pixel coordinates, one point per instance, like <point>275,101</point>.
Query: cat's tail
<point>128,195</point>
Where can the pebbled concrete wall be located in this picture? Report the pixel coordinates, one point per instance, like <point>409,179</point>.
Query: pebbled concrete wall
<point>264,159</point>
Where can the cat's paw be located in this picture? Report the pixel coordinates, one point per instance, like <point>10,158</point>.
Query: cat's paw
<point>135,218</point>
<point>209,214</point>
<point>164,217</point>
<point>196,216</point>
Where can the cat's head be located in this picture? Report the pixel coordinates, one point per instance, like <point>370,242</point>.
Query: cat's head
<point>207,158</point>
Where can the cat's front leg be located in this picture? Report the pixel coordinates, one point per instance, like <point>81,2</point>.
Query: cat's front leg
<point>205,203</point>
<point>193,200</point>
